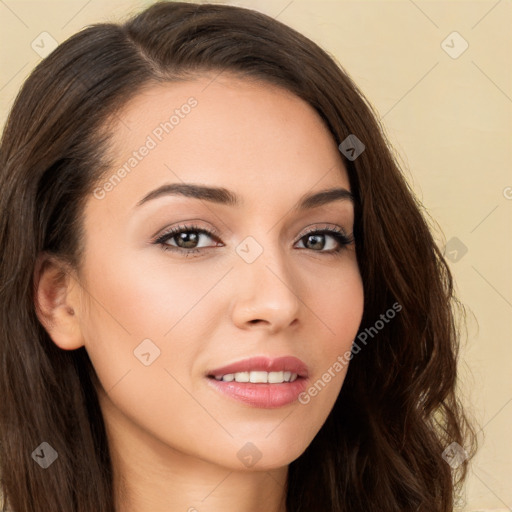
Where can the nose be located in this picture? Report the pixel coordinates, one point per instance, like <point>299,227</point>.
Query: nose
<point>265,293</point>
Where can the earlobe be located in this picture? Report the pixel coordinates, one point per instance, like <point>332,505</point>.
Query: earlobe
<point>57,302</point>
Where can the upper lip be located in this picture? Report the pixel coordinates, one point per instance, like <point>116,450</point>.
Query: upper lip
<point>266,364</point>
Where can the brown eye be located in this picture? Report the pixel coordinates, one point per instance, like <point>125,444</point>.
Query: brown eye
<point>318,241</point>
<point>186,239</point>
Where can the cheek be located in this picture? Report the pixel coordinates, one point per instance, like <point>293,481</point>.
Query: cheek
<point>338,306</point>
<point>174,311</point>
<point>132,301</point>
<point>337,300</point>
<point>132,326</point>
<point>138,309</point>
<point>148,300</point>
<point>143,336</point>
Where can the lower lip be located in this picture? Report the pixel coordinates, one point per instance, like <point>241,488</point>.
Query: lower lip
<point>266,396</point>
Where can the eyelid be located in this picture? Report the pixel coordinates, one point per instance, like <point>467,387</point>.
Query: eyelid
<point>325,227</point>
<point>187,226</point>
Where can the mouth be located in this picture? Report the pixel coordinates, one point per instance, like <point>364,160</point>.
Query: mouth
<point>261,381</point>
<point>257,377</point>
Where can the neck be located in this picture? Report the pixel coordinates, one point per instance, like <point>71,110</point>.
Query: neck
<point>199,487</point>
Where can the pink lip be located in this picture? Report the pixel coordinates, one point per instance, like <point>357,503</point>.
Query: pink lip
<point>265,364</point>
<point>263,395</point>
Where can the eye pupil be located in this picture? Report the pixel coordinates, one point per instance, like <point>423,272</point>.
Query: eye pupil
<point>317,241</point>
<point>188,237</point>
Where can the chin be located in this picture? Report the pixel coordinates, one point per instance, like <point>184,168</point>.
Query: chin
<point>264,452</point>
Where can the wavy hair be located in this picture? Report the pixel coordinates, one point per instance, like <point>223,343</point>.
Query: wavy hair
<point>381,447</point>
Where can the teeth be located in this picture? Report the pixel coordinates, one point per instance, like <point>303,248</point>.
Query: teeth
<point>242,377</point>
<point>258,377</point>
<point>275,377</point>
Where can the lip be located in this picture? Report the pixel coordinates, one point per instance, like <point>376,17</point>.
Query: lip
<point>262,395</point>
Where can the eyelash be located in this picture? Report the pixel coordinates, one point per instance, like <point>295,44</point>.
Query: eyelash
<point>337,233</point>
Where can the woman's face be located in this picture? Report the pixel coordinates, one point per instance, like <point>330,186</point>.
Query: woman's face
<point>158,324</point>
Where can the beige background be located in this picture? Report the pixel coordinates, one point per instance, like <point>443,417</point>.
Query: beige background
<point>448,118</point>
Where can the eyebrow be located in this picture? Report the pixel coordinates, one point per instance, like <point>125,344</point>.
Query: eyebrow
<point>224,196</point>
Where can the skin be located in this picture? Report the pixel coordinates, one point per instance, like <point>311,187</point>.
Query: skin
<point>174,439</point>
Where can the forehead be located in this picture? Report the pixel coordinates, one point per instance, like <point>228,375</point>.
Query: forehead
<point>249,136</point>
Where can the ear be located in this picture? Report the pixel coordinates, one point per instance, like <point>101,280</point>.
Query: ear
<point>57,301</point>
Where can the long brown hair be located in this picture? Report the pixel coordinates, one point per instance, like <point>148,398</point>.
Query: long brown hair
<point>382,445</point>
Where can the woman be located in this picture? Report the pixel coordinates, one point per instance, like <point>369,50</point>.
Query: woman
<point>218,291</point>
